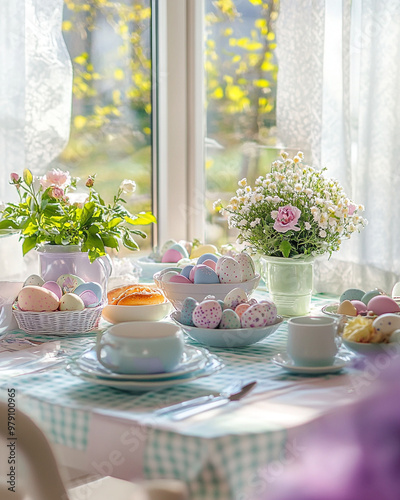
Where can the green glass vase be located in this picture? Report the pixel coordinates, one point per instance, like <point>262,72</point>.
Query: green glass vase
<point>289,283</point>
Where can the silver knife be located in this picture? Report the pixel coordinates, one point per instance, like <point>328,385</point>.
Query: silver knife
<point>215,403</point>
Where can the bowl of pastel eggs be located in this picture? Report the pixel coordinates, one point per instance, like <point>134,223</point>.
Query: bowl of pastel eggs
<point>212,275</point>
<point>67,305</point>
<point>171,253</point>
<point>235,321</point>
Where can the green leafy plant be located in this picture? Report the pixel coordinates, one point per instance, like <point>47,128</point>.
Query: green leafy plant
<point>46,213</point>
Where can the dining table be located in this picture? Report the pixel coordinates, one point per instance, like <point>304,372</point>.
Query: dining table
<point>230,452</point>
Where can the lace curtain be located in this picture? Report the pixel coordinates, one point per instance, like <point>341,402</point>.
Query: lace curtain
<point>339,101</point>
<point>35,99</point>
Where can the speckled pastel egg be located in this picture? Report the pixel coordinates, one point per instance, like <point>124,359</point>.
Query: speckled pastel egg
<point>36,298</point>
<point>89,298</point>
<point>202,249</point>
<point>171,255</point>
<point>221,303</point>
<point>188,306</point>
<point>352,294</point>
<point>54,287</point>
<point>228,270</point>
<point>166,277</point>
<point>34,279</point>
<point>241,308</point>
<point>207,314</point>
<point>256,316</point>
<point>167,245</point>
<point>186,271</point>
<point>235,297</point>
<point>359,305</point>
<point>382,304</point>
<point>210,263</point>
<point>205,275</point>
<point>93,286</point>
<point>347,308</point>
<point>71,302</point>
<point>246,266</point>
<point>178,278</point>
<point>207,256</point>
<point>387,323</point>
<point>370,295</point>
<point>229,320</point>
<point>68,282</point>
<point>181,249</point>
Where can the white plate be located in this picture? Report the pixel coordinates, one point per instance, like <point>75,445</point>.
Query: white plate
<point>283,360</point>
<point>193,359</point>
<point>213,365</point>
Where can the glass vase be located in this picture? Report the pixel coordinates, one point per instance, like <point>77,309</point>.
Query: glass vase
<point>290,283</point>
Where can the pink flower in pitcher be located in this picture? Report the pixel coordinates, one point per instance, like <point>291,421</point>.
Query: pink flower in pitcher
<point>55,177</point>
<point>286,219</point>
<point>56,192</point>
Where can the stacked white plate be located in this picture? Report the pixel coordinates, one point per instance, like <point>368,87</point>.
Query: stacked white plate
<point>196,362</point>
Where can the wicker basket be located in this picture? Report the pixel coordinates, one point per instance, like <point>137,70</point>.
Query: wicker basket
<point>59,322</point>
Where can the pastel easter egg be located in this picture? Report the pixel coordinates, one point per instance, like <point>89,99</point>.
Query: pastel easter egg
<point>241,308</point>
<point>33,279</point>
<point>207,314</point>
<point>68,282</point>
<point>255,317</point>
<point>254,301</point>
<point>221,303</point>
<point>347,308</point>
<point>229,320</point>
<point>210,263</point>
<point>370,295</point>
<point>71,302</point>
<point>178,278</point>
<point>395,336</point>
<point>167,245</point>
<point>382,304</point>
<point>186,271</point>
<point>207,256</point>
<point>54,287</point>
<point>228,270</point>
<point>387,323</point>
<point>352,294</point>
<point>191,274</point>
<point>167,270</point>
<point>36,298</point>
<point>188,306</point>
<point>202,249</point>
<point>89,298</point>
<point>181,249</point>
<point>272,312</point>
<point>246,266</point>
<point>235,297</point>
<point>166,277</point>
<point>396,290</point>
<point>92,286</point>
<point>205,275</point>
<point>171,255</point>
<point>359,305</point>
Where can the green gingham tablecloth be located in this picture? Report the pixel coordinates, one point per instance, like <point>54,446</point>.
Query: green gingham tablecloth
<point>218,457</point>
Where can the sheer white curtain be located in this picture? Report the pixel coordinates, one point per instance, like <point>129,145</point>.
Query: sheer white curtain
<point>339,99</point>
<point>35,98</point>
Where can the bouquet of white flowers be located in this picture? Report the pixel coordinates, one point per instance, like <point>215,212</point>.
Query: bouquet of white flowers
<point>293,211</point>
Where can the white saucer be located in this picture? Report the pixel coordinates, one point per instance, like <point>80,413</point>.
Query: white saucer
<point>213,365</point>
<point>193,359</point>
<point>283,360</point>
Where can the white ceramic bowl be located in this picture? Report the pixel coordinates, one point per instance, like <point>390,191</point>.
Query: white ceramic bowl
<point>235,337</point>
<point>122,314</point>
<point>177,292</point>
<point>370,349</point>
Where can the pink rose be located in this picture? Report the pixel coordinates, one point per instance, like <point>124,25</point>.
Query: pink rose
<point>14,177</point>
<point>352,208</point>
<point>56,177</point>
<point>56,192</point>
<point>286,219</point>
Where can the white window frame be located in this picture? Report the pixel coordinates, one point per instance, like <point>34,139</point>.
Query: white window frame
<point>179,126</point>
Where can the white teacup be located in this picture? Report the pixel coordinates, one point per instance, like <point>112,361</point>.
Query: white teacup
<point>140,347</point>
<point>312,340</point>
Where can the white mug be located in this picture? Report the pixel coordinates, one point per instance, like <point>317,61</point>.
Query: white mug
<point>312,340</point>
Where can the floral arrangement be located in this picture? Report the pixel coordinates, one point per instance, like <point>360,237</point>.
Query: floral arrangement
<point>46,214</point>
<point>293,211</point>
